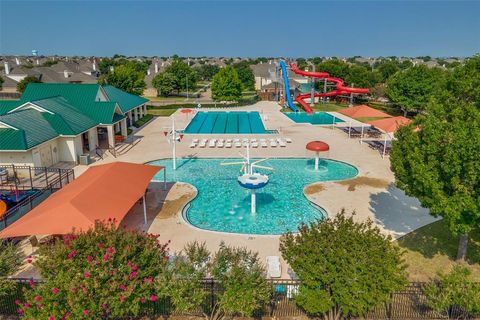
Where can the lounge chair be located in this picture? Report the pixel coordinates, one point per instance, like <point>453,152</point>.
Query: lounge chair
<point>254,144</point>
<point>281,143</point>
<point>237,144</point>
<point>193,144</point>
<point>273,143</point>
<point>228,144</point>
<point>274,267</point>
<point>203,143</point>
<point>220,143</point>
<point>288,140</point>
<point>212,143</point>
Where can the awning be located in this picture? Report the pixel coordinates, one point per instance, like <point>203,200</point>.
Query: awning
<point>103,192</point>
<point>363,111</point>
<point>390,125</point>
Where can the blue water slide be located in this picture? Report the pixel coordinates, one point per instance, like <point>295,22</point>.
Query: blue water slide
<point>288,98</point>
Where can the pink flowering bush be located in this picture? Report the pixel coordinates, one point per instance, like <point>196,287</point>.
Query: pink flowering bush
<point>103,273</point>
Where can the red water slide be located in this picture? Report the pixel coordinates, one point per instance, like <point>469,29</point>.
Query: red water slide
<point>340,88</point>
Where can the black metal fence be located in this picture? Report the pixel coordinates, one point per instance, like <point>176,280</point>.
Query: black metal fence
<point>29,186</point>
<point>410,303</point>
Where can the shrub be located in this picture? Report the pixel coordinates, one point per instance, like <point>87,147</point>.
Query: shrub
<point>453,291</point>
<point>102,273</point>
<point>346,268</point>
<point>10,261</point>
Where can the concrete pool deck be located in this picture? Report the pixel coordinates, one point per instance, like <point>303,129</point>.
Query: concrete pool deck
<point>372,194</point>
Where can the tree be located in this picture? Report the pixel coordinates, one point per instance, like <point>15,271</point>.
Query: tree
<point>243,283</point>
<point>10,262</point>
<point>302,63</point>
<point>387,68</point>
<point>413,88</point>
<point>185,77</point>
<point>334,67</point>
<point>454,289</point>
<point>103,273</point>
<point>439,164</point>
<point>362,77</point>
<point>22,85</point>
<point>345,268</point>
<point>464,81</point>
<point>126,78</point>
<point>164,83</point>
<point>207,71</point>
<point>245,74</point>
<point>226,86</point>
<point>239,279</point>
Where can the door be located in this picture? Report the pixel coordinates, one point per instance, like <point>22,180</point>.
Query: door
<point>46,156</point>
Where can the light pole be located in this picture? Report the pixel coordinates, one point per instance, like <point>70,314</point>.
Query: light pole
<point>173,136</point>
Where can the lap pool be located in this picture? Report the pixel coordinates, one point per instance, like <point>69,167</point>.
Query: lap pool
<point>222,205</point>
<point>226,122</point>
<point>319,118</point>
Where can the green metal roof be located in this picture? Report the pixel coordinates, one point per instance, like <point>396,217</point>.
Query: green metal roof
<point>67,119</point>
<point>76,94</point>
<point>36,129</point>
<point>102,112</point>
<point>126,101</point>
<point>11,139</point>
<point>8,105</point>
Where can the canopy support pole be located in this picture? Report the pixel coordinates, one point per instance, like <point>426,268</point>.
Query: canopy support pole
<point>384,147</point>
<point>164,178</point>
<point>316,161</point>
<point>144,209</point>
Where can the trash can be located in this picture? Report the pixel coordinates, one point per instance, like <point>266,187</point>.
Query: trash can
<point>84,159</point>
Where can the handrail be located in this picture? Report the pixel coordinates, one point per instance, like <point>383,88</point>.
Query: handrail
<point>112,150</point>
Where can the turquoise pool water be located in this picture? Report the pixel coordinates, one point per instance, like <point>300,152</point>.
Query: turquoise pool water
<point>226,122</point>
<point>222,205</point>
<point>321,118</point>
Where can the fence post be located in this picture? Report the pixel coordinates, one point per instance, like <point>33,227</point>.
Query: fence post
<point>60,177</point>
<point>30,174</point>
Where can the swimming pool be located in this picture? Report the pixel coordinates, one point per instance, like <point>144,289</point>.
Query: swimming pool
<point>222,205</point>
<point>226,122</point>
<point>321,118</point>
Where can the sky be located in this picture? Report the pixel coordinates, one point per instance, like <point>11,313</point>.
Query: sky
<point>241,28</point>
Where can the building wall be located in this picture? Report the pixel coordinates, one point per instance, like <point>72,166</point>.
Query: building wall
<point>92,138</point>
<point>18,158</point>
<point>67,151</point>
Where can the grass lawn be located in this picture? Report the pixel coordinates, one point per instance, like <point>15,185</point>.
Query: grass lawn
<point>140,122</point>
<point>433,248</point>
<point>161,112</point>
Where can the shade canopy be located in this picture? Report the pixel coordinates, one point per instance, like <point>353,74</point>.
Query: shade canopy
<point>318,146</point>
<point>390,125</point>
<point>364,111</point>
<point>103,192</point>
<point>186,110</point>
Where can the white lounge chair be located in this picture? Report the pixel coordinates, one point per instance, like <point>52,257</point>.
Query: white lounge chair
<point>254,144</point>
<point>220,143</point>
<point>203,143</point>
<point>195,140</point>
<point>281,143</point>
<point>193,144</point>
<point>212,143</point>
<point>274,267</point>
<point>273,143</point>
<point>288,140</point>
<point>237,144</point>
<point>228,144</point>
<point>263,143</point>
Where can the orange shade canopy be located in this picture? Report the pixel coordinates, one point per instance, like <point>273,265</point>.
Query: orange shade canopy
<point>103,192</point>
<point>186,110</point>
<point>364,111</point>
<point>318,146</point>
<point>390,125</point>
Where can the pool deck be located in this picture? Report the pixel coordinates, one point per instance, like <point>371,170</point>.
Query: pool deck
<point>372,194</point>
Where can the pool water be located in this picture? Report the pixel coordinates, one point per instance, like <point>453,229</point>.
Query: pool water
<point>222,205</point>
<point>321,118</point>
<point>226,122</point>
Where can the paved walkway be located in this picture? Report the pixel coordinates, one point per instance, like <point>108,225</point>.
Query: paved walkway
<point>372,195</point>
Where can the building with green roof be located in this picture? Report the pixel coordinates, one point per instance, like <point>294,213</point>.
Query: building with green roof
<point>55,122</point>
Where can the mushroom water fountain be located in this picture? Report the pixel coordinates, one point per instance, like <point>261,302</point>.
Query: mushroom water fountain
<point>249,179</point>
<point>317,147</point>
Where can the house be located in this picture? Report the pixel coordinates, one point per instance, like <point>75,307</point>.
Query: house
<point>54,122</point>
